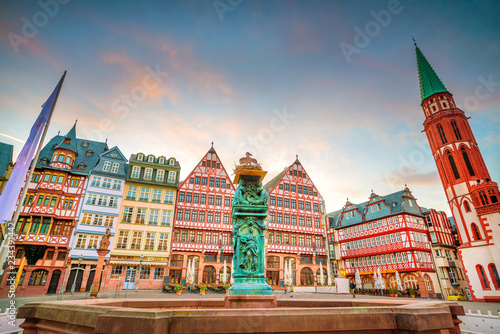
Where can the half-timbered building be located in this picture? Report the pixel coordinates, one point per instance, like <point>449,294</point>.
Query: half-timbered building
<point>202,225</point>
<point>296,231</point>
<point>447,263</point>
<point>141,246</point>
<point>387,233</point>
<point>472,195</point>
<point>50,211</point>
<point>100,210</point>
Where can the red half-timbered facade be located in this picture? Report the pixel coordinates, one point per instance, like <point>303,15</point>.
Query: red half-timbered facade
<point>202,225</point>
<point>386,233</point>
<point>296,229</point>
<point>49,212</point>
<point>472,195</point>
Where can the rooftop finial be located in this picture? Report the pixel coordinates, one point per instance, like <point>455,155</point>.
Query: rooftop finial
<point>415,43</point>
<point>212,144</point>
<point>297,156</point>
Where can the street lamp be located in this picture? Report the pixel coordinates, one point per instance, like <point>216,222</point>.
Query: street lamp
<point>139,273</point>
<point>80,259</point>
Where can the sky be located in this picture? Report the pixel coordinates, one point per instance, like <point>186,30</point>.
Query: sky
<point>334,82</point>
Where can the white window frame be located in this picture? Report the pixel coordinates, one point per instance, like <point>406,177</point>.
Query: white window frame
<point>107,166</point>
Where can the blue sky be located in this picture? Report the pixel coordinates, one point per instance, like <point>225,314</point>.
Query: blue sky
<point>269,77</point>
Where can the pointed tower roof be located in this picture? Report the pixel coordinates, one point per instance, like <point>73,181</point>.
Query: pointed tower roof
<point>429,81</point>
<point>69,141</point>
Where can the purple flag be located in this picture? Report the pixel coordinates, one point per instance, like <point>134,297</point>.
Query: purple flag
<point>11,192</point>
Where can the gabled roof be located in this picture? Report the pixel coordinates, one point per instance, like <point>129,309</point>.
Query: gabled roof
<point>429,81</point>
<point>199,168</point>
<point>109,154</point>
<point>89,161</point>
<point>275,179</point>
<point>72,145</point>
<point>397,202</point>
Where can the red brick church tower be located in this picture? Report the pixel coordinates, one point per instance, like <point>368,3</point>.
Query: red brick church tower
<point>472,195</point>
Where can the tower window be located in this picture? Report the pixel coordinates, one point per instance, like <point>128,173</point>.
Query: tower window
<point>455,129</point>
<point>493,196</point>
<point>467,163</point>
<point>484,199</point>
<point>482,277</point>
<point>453,166</point>
<point>475,231</point>
<point>467,206</point>
<point>494,275</point>
<point>441,134</point>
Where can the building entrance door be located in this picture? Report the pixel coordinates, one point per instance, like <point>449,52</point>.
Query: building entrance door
<point>54,282</point>
<point>273,277</point>
<point>129,283</point>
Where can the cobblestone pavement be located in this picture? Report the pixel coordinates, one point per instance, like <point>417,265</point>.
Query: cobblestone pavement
<point>20,301</point>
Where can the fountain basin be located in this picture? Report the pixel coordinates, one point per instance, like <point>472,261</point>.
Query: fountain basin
<point>208,315</point>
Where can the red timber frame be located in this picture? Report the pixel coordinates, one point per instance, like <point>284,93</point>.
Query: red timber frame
<point>48,222</point>
<point>406,251</point>
<point>296,228</point>
<point>197,217</point>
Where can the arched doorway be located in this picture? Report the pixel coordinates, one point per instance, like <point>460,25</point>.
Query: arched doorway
<point>78,273</point>
<point>90,280</point>
<point>54,282</point>
<point>209,275</point>
<point>306,277</point>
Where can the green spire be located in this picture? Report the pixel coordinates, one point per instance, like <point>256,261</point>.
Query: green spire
<point>429,81</point>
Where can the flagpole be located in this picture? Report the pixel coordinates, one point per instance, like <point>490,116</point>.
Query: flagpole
<point>37,154</point>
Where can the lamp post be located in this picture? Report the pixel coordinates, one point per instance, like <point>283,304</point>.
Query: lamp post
<point>80,259</point>
<point>139,273</point>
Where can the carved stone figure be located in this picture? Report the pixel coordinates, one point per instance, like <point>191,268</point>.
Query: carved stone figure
<point>104,244</point>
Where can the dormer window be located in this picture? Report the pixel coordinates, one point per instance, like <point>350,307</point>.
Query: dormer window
<point>171,162</point>
<point>85,143</point>
<point>44,160</point>
<point>151,158</point>
<point>89,152</point>
<point>67,140</point>
<point>161,161</point>
<point>140,157</point>
<point>82,166</point>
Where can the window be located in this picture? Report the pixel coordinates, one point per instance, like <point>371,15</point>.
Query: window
<point>494,275</point>
<point>159,273</point>
<point>160,174</point>
<point>93,239</point>
<point>455,130</point>
<point>103,200</point>
<point>96,181</point>
<point>106,183</point>
<point>136,240</point>
<point>163,242</point>
<point>482,277</point>
<point>453,166</point>
<point>81,241</point>
<point>171,176</point>
<point>153,217</point>
<point>166,218</point>
<point>145,272</point>
<point>107,166</point>
<point>97,220</point>
<point>135,172</point>
<point>218,200</point>
<point>122,239</point>
<point>441,134</point>
<point>116,271</point>
<point>115,167</point>
<point>140,217</point>
<point>150,241</point>
<point>109,221</point>
<point>156,196</point>
<point>38,277</point>
<point>210,199</point>
<point>148,173</point>
<point>131,193</point>
<point>467,206</point>
<point>144,195</point>
<point>475,231</point>
<point>467,163</point>
<point>169,197</point>
<point>127,215</point>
